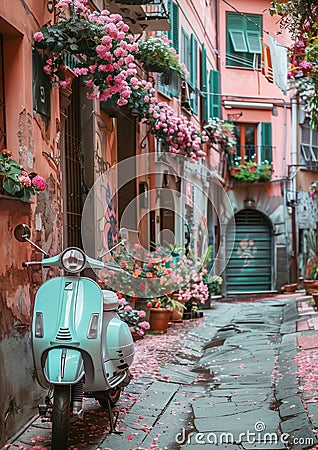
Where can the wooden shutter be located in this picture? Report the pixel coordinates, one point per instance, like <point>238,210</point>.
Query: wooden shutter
<point>204,86</point>
<point>214,100</point>
<point>266,142</point>
<point>253,42</point>
<point>173,33</point>
<point>238,40</point>
<point>194,72</point>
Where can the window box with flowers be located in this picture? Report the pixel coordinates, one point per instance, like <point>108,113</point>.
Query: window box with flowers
<point>252,172</point>
<point>15,181</point>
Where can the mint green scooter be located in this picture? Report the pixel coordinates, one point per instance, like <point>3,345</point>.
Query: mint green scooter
<point>80,346</point>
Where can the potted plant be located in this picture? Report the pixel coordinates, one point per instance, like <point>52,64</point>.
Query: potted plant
<point>156,55</point>
<point>159,314</point>
<point>15,181</point>
<point>134,319</point>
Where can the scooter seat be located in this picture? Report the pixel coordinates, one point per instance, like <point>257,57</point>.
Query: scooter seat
<point>110,301</point>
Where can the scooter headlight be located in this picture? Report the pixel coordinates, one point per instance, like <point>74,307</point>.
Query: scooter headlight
<point>73,260</point>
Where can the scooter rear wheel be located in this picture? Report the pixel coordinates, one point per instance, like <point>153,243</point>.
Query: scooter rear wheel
<point>61,417</point>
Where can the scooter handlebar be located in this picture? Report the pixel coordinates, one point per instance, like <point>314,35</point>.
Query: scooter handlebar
<point>31,263</point>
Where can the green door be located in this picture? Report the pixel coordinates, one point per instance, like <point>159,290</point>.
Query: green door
<point>250,264</point>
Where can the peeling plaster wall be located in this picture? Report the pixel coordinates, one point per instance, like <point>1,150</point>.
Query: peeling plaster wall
<point>19,392</point>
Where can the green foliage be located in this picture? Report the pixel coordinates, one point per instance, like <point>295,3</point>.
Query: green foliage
<point>252,171</point>
<point>157,56</point>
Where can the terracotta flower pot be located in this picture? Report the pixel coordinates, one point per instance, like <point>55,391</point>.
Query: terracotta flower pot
<point>315,297</point>
<point>290,287</point>
<point>159,319</point>
<point>310,286</point>
<point>234,171</point>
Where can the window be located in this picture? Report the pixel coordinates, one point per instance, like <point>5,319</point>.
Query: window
<point>254,142</point>
<point>309,146</point>
<point>243,47</point>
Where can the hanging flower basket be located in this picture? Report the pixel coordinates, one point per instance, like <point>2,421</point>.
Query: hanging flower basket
<point>156,55</point>
<point>100,45</point>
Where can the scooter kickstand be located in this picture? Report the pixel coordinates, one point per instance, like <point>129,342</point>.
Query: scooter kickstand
<point>113,417</point>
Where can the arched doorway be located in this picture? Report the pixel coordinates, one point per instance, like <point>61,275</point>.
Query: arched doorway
<point>250,265</point>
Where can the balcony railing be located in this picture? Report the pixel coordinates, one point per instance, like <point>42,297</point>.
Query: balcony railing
<point>256,153</point>
<point>142,15</point>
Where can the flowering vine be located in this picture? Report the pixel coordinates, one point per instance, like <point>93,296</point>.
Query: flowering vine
<point>177,132</point>
<point>102,48</point>
<point>105,58</point>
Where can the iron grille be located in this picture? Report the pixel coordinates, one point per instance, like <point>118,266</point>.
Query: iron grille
<point>73,170</point>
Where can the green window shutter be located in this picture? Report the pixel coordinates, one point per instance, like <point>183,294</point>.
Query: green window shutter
<point>185,49</point>
<point>204,88</point>
<point>266,142</point>
<point>173,33</point>
<point>238,40</point>
<point>194,73</point>
<point>253,42</point>
<point>242,39</point>
<point>214,100</point>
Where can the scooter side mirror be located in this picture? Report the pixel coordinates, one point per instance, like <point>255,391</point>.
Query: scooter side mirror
<point>22,232</point>
<point>123,235</point>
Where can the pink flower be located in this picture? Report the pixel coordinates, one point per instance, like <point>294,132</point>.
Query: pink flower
<point>127,308</point>
<point>24,179</point>
<point>38,36</point>
<point>39,183</point>
<point>144,325</point>
<point>141,313</point>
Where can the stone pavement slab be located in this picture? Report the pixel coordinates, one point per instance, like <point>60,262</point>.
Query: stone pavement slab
<point>291,406</point>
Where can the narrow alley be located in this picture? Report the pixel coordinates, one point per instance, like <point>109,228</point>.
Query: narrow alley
<point>243,377</point>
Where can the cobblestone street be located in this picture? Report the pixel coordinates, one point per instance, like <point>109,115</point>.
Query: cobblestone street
<point>234,379</point>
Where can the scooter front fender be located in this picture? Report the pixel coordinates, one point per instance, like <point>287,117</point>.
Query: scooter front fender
<point>64,366</point>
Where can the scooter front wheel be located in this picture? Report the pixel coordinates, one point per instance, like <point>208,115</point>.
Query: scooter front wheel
<point>61,417</point>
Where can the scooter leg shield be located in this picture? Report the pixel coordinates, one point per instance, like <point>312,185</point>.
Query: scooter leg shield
<point>64,366</point>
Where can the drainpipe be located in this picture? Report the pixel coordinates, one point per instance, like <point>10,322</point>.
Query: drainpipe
<point>293,187</point>
<point>285,196</point>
